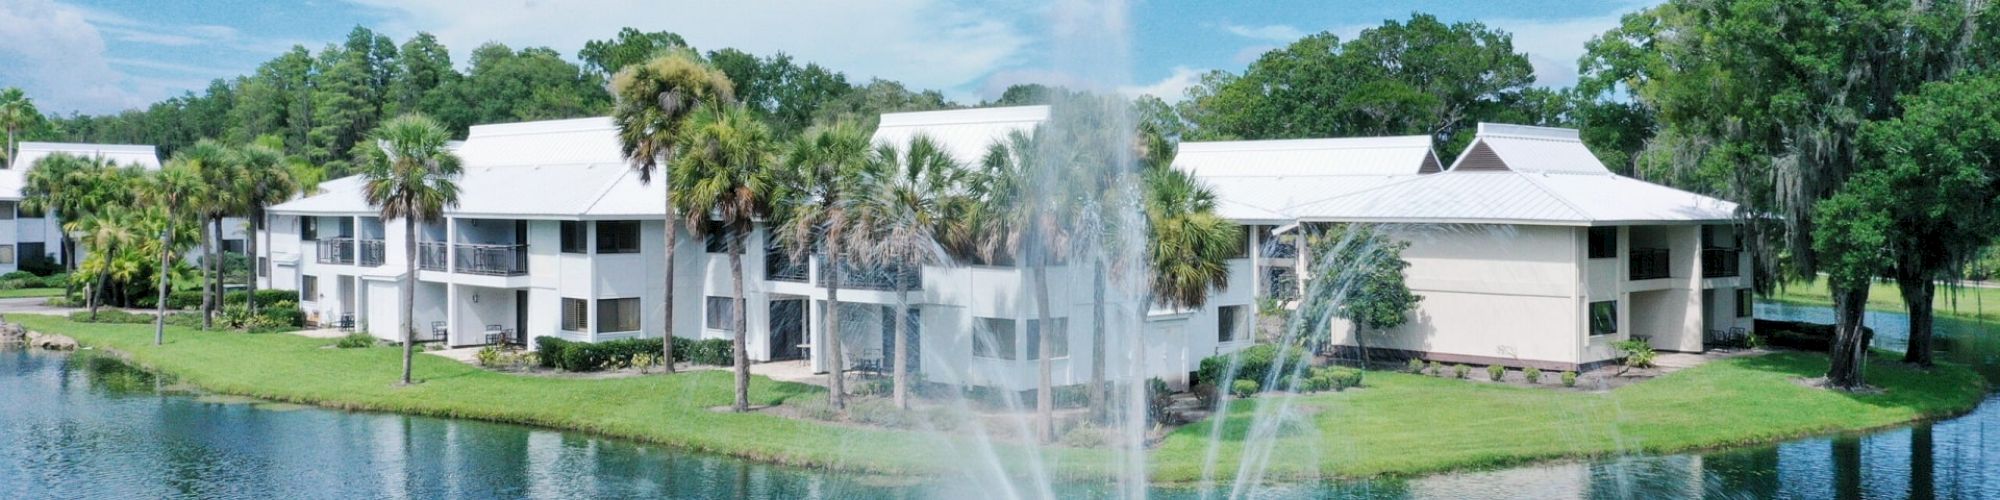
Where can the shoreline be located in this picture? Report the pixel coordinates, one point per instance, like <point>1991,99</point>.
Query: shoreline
<point>644,417</point>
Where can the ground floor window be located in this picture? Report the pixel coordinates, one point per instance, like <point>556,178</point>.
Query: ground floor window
<point>575,315</point>
<point>993,338</point>
<point>1232,323</point>
<point>721,314</point>
<point>6,254</point>
<point>1604,317</point>
<point>1057,336</point>
<point>309,288</point>
<point>618,315</point>
<point>1743,304</point>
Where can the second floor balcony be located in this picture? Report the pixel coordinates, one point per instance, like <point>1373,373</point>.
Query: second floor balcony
<point>336,251</point>
<point>372,253</point>
<point>1649,263</point>
<point>1720,263</point>
<point>853,277</point>
<point>431,256</point>
<point>491,260</point>
<point>780,267</point>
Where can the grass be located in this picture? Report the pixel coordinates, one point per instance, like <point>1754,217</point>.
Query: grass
<point>17,293</point>
<point>1398,424</point>
<point>1967,302</point>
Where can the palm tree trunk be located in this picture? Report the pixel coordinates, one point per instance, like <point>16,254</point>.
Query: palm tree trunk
<point>207,280</point>
<point>667,319</point>
<point>741,336</point>
<point>250,246</point>
<point>220,255</point>
<point>1045,401</point>
<point>160,307</point>
<point>408,296</point>
<point>900,379</point>
<point>836,373</point>
<point>97,293</point>
<point>1097,388</point>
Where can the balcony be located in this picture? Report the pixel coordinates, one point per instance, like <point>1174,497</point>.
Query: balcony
<point>431,256</point>
<point>780,267</point>
<point>874,278</point>
<point>1720,263</point>
<point>1649,263</point>
<point>336,251</point>
<point>371,253</point>
<point>492,260</point>
<point>1280,250</point>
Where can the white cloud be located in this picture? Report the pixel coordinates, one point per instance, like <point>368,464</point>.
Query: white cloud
<point>923,43</point>
<point>1554,45</point>
<point>56,55</point>
<point>1173,88</point>
<point>1274,32</point>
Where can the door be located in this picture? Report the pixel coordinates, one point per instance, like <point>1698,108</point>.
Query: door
<point>788,329</point>
<point>915,322</point>
<point>520,333</point>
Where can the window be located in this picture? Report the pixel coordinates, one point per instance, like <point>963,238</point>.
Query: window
<point>1058,338</point>
<point>618,315</point>
<point>721,314</point>
<point>993,338</point>
<point>1744,306</point>
<point>618,236</point>
<point>264,267</point>
<point>715,236</point>
<point>572,237</point>
<point>1232,323</point>
<point>309,288</point>
<point>6,254</point>
<point>1604,317</point>
<point>575,315</point>
<point>7,209</point>
<point>1603,242</point>
<point>309,228</point>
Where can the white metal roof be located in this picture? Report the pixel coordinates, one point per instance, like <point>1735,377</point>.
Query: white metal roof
<point>1295,157</point>
<point>14,178</point>
<point>550,142</point>
<point>1526,148</point>
<point>1259,199</point>
<point>964,133</point>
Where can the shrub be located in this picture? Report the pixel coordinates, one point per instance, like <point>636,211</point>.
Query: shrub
<point>882,413</point>
<point>814,409</point>
<point>1159,398</point>
<point>1495,372</point>
<point>1254,363</point>
<point>265,297</point>
<point>184,319</point>
<point>1321,382</point>
<point>1416,365</point>
<point>714,352</point>
<point>355,340</point>
<point>57,280</point>
<point>1345,378</point>
<point>235,316</point>
<point>550,350</point>
<point>488,356</point>
<point>1459,371</point>
<point>111,316</point>
<point>1534,375</point>
<point>588,356</point>
<point>40,265</point>
<point>1435,369</point>
<point>286,315</point>
<point>184,299</point>
<point>17,275</point>
<point>1243,388</point>
<point>1087,436</point>
<point>1205,393</point>
<point>1569,379</point>
<point>1637,353</point>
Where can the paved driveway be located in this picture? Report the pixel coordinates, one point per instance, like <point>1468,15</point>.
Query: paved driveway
<point>33,305</point>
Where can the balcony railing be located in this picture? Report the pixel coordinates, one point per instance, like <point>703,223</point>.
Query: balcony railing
<point>1277,250</point>
<point>336,251</point>
<point>1720,263</point>
<point>431,256</point>
<point>1281,283</point>
<point>371,253</point>
<point>1649,263</point>
<point>873,278</point>
<point>780,267</point>
<point>492,260</point>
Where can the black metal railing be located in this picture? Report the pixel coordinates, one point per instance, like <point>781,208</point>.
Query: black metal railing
<point>854,277</point>
<point>491,260</point>
<point>1720,263</point>
<point>372,253</point>
<point>1279,250</point>
<point>336,251</point>
<point>778,266</point>
<point>1281,283</point>
<point>1649,263</point>
<point>431,256</point>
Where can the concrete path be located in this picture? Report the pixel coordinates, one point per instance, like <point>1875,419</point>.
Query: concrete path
<point>34,305</point>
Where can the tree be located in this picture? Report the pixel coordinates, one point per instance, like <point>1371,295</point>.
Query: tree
<point>267,180</point>
<point>629,47</point>
<point>654,102</point>
<point>17,113</point>
<point>108,232</point>
<point>821,180</point>
<point>1417,77</point>
<point>170,190</point>
<point>349,91</point>
<point>410,175</point>
<point>783,93</point>
<point>1029,209</point>
<point>215,164</point>
<point>423,67</point>
<point>725,160</point>
<point>1360,279</point>
<point>1187,247</point>
<point>72,187</point>
<point>903,219</point>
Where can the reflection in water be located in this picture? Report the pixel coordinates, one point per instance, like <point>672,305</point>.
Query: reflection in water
<point>89,426</point>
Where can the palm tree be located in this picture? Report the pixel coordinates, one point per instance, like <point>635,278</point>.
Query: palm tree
<point>654,101</point>
<point>71,187</point>
<point>1187,246</point>
<point>725,161</point>
<point>214,163</point>
<point>410,175</point>
<point>266,181</point>
<point>108,232</point>
<point>903,220</point>
<point>169,190</point>
<point>823,174</point>
<point>17,113</point>
<point>1027,202</point>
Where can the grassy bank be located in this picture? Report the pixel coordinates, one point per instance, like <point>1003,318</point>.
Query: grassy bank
<point>1966,302</point>
<point>17,293</point>
<point>1399,424</point>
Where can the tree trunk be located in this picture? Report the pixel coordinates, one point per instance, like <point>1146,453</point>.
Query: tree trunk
<point>207,257</point>
<point>900,376</point>
<point>1045,401</point>
<point>836,373</point>
<point>1918,291</point>
<point>667,319</point>
<point>160,307</point>
<point>256,269</point>
<point>1850,344</point>
<point>96,294</point>
<point>1097,389</point>
<point>220,255</point>
<point>409,302</point>
<point>742,335</point>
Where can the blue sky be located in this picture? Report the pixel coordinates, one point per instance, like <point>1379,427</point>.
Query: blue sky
<point>99,56</point>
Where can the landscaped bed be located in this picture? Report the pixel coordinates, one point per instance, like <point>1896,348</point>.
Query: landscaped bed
<point>1397,423</point>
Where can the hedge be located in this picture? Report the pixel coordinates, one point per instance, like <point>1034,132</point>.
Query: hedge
<point>554,352</point>
<point>190,299</point>
<point>1256,364</point>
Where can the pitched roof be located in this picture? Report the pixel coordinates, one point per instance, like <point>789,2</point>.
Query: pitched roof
<point>964,133</point>
<point>14,178</point>
<point>1408,154</point>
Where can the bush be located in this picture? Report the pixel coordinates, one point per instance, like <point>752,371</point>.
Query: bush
<point>1087,436</point>
<point>184,299</point>
<point>1637,353</point>
<point>1205,393</point>
<point>1495,372</point>
<point>1254,363</point>
<point>112,316</point>
<point>40,265</point>
<point>236,316</point>
<point>1159,397</point>
<point>1320,382</point>
<point>1243,388</point>
<point>588,356</point>
<point>265,298</point>
<point>17,275</point>
<point>1416,365</point>
<point>355,340</point>
<point>1435,369</point>
<point>57,280</point>
<point>284,315</point>
<point>1345,378</point>
<point>882,413</point>
<point>1534,375</point>
<point>184,319</point>
<point>714,352</point>
<point>488,356</point>
<point>814,409</point>
<point>1459,371</point>
<point>1569,379</point>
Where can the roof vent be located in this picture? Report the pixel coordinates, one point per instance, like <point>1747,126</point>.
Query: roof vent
<point>1528,131</point>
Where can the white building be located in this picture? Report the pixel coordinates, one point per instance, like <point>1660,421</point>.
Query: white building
<point>555,235</point>
<point>25,237</point>
<point>1526,250</point>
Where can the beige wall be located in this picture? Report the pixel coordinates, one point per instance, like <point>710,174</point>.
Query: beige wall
<point>1490,291</point>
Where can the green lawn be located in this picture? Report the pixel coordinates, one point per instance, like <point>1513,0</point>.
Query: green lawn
<point>1965,302</point>
<point>1398,424</point>
<point>17,293</point>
